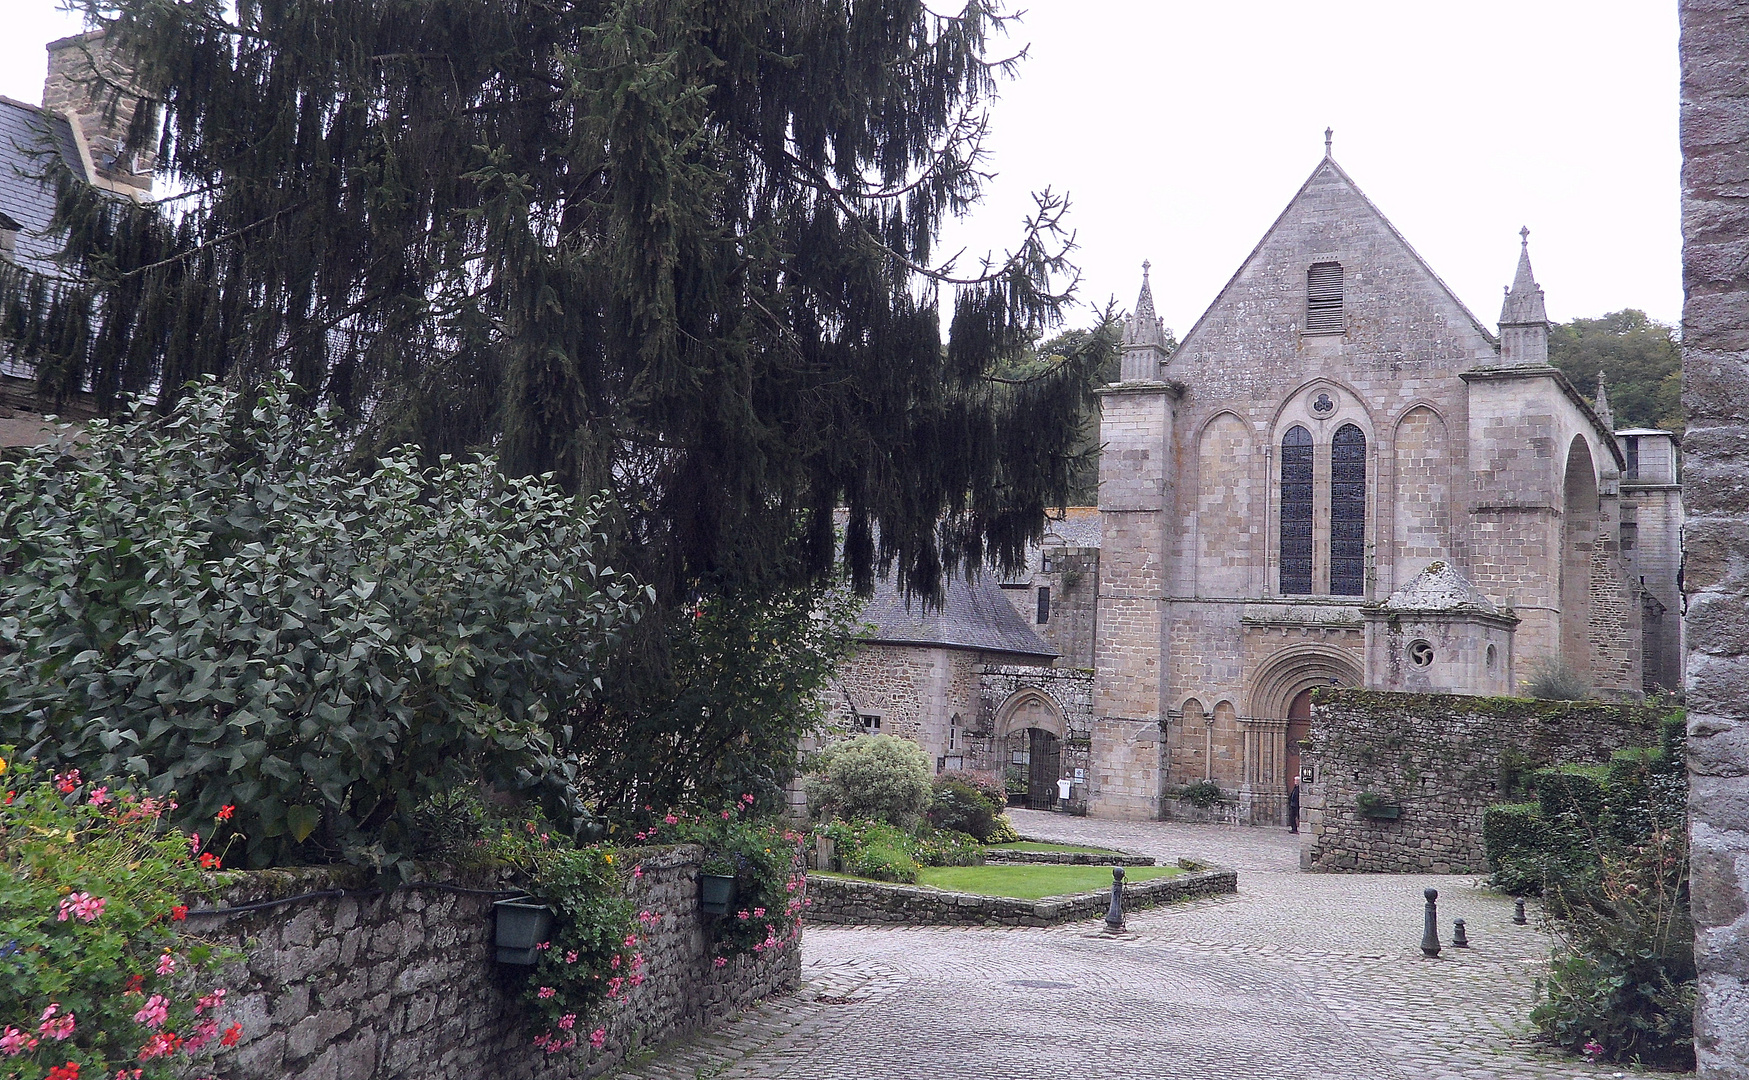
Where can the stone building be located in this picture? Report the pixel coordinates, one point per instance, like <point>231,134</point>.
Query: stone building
<point>1341,476</point>
<point>82,126</point>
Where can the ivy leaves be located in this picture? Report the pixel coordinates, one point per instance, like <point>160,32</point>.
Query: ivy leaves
<point>215,605</point>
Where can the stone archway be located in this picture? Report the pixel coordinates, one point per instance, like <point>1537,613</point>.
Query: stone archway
<point>1579,519</point>
<point>1280,716</point>
<point>1029,730</point>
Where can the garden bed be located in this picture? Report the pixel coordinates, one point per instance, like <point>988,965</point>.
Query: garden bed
<point>1038,851</point>
<point>838,899</point>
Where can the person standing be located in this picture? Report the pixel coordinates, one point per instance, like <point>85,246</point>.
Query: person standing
<point>1293,808</point>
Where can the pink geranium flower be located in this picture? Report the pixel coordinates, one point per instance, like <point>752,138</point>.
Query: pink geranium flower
<point>598,1038</point>
<point>15,1042</point>
<point>546,992</point>
<point>154,1012</point>
<point>167,964</point>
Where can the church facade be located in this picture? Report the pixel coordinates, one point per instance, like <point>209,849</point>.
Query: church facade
<point>1339,477</point>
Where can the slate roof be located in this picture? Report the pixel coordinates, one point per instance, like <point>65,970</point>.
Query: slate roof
<point>973,615</point>
<point>28,135</point>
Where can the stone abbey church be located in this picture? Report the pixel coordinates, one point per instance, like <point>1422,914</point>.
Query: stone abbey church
<point>1341,477</point>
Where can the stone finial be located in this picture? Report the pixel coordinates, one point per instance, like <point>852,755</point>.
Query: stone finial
<point>1601,403</point>
<point>1328,133</point>
<point>1144,327</point>
<point>1524,300</point>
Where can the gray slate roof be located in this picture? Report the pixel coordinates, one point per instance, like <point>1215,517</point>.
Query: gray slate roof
<point>28,136</point>
<point>973,615</point>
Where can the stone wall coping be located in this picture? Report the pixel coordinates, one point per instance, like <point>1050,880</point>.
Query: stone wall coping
<point>280,883</point>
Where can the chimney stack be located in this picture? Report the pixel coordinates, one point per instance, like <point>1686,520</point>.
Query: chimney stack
<point>97,94</point>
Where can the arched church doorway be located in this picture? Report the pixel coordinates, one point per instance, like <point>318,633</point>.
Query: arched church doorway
<point>1299,726</point>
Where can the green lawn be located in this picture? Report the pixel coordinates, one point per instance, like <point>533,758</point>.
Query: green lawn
<point>1030,881</point>
<point>1034,845</point>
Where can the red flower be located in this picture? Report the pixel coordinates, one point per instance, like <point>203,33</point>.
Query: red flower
<point>226,811</point>
<point>69,1071</point>
<point>232,1035</point>
<point>209,861</point>
<point>178,913</point>
<point>135,982</point>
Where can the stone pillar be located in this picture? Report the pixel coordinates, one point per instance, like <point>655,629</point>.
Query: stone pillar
<point>1135,486</point>
<point>1715,495</point>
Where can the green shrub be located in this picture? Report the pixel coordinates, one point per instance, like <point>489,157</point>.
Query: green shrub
<point>1572,789</point>
<point>1201,793</point>
<point>1003,832</point>
<point>946,847</point>
<point>212,603</point>
<point>1516,838</point>
<point>875,849</point>
<point>988,784</point>
<point>1607,848</point>
<point>1555,680</point>
<point>962,808</point>
<point>872,776</point>
<point>1622,981</point>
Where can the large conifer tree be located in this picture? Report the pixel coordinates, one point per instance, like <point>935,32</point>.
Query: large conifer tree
<point>675,249</point>
<point>678,249</point>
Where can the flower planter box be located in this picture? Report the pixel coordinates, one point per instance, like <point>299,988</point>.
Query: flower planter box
<point>522,923</point>
<point>1017,798</point>
<point>716,893</point>
<point>1382,812</point>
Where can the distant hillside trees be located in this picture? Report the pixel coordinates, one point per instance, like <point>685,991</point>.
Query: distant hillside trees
<point>1640,360</point>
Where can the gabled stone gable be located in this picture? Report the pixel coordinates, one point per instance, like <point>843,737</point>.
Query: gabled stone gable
<point>1402,318</point>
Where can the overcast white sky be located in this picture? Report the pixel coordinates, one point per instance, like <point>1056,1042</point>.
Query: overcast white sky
<point>1180,129</point>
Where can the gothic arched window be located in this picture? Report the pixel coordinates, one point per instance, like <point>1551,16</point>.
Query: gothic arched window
<point>1296,512</point>
<point>1348,512</point>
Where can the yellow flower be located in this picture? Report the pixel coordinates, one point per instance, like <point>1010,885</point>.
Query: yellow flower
<point>609,858</point>
<point>2,766</point>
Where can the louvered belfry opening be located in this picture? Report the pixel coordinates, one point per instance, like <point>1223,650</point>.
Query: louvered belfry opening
<point>1324,299</point>
<point>1348,512</point>
<point>1296,512</point>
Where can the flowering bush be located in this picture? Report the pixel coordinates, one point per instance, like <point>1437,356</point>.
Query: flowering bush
<point>97,976</point>
<point>592,956</point>
<point>770,876</point>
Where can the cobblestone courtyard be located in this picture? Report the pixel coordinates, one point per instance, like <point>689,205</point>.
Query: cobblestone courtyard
<point>1312,976</point>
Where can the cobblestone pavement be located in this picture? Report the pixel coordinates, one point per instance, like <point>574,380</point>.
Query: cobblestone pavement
<point>1314,976</point>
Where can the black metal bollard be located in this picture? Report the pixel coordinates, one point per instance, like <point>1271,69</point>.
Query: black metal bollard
<point>1518,911</point>
<point>1114,916</point>
<point>1458,940</point>
<point>1430,924</point>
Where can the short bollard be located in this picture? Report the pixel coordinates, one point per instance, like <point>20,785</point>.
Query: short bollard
<point>1518,911</point>
<point>1114,916</point>
<point>1458,940</point>
<point>1430,924</point>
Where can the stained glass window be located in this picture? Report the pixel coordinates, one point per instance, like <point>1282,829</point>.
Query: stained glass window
<point>1348,512</point>
<point>1296,512</point>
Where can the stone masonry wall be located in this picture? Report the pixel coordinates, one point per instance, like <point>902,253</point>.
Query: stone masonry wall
<point>1437,756</point>
<point>1715,494</point>
<point>402,985</point>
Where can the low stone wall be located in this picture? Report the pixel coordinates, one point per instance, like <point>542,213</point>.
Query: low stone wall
<point>843,900</point>
<point>997,857</point>
<point>403,984</point>
<point>1225,812</point>
<point>1441,759</point>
